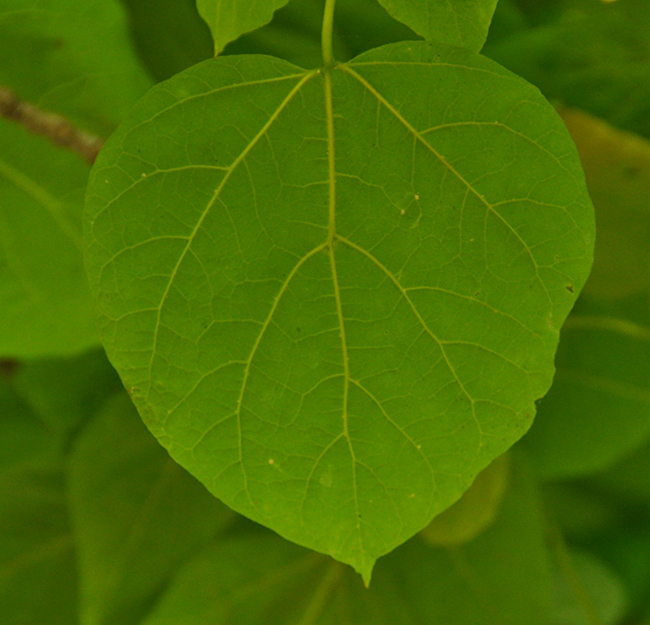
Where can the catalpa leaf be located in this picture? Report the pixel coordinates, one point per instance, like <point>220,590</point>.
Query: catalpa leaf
<point>335,295</point>
<point>228,19</point>
<point>462,23</point>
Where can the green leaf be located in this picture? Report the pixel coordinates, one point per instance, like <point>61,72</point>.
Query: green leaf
<point>252,579</point>
<point>587,592</point>
<point>50,56</point>
<point>72,57</point>
<point>463,23</point>
<point>599,407</point>
<point>38,582</point>
<point>228,19</point>
<point>339,301</point>
<point>45,304</point>
<point>136,515</point>
<point>594,56</point>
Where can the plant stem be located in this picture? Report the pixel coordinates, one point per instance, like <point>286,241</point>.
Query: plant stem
<point>326,37</point>
<point>56,128</point>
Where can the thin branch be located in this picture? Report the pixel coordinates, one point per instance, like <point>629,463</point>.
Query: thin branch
<point>56,128</point>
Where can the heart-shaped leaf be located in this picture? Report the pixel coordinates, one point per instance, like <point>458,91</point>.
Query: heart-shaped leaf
<point>335,295</point>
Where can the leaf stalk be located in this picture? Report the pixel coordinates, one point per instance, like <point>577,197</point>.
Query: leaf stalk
<point>326,36</point>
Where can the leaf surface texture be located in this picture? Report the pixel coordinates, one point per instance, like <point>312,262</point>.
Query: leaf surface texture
<point>335,296</point>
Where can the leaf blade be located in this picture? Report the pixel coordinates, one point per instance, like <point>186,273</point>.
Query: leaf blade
<point>302,360</point>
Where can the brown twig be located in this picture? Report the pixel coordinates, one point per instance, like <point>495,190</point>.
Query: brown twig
<point>56,128</point>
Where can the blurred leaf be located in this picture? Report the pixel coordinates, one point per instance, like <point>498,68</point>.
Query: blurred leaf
<point>591,55</point>
<point>475,511</point>
<point>626,549</point>
<point>38,582</point>
<point>72,57</point>
<point>136,515</point>
<point>45,304</point>
<point>598,409</point>
<point>587,592</point>
<point>228,19</point>
<point>455,22</point>
<point>256,579</point>
<point>37,564</point>
<point>336,347</point>
<point>169,35</point>
<point>64,392</point>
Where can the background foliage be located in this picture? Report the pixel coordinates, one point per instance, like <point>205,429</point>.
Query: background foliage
<point>98,525</point>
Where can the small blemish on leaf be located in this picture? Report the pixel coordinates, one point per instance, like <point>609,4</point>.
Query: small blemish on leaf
<point>326,480</point>
<point>417,197</point>
<point>570,288</point>
<point>271,461</point>
<point>403,212</point>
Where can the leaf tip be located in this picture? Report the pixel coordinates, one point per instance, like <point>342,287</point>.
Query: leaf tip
<point>366,572</point>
